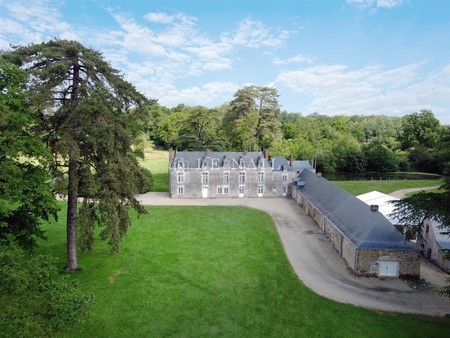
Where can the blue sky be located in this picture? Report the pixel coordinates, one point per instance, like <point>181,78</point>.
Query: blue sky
<point>329,56</point>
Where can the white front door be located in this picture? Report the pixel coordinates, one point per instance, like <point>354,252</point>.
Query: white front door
<point>205,192</point>
<point>388,269</point>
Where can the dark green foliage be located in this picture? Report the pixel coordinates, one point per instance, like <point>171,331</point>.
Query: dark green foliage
<point>34,300</point>
<point>380,158</point>
<point>146,181</point>
<point>253,120</point>
<point>424,159</point>
<point>354,161</point>
<point>420,129</point>
<point>89,117</point>
<point>25,191</point>
<point>326,162</point>
<point>201,130</point>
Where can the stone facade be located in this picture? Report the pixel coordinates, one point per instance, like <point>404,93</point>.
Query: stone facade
<point>368,262</point>
<point>229,174</point>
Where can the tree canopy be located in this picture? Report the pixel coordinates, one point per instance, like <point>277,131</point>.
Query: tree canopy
<point>89,117</point>
<point>25,191</point>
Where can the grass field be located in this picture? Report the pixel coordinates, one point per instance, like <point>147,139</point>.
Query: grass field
<point>361,187</point>
<point>213,272</point>
<point>157,161</point>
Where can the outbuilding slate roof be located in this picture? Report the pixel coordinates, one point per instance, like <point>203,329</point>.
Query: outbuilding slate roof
<point>383,201</point>
<point>364,228</point>
<point>442,239</point>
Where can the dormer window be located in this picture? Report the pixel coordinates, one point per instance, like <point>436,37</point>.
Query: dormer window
<point>241,162</point>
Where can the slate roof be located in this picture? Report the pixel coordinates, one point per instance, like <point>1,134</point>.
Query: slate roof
<point>383,201</point>
<point>442,239</point>
<point>280,164</point>
<point>194,159</point>
<point>301,165</point>
<point>364,228</point>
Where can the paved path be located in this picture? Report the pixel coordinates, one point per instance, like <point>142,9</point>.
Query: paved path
<point>319,266</point>
<point>402,193</point>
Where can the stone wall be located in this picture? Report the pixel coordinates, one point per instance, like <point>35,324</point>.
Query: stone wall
<point>367,262</point>
<point>193,187</point>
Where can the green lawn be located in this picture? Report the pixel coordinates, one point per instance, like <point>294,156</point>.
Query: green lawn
<point>157,161</point>
<point>213,272</point>
<point>361,187</point>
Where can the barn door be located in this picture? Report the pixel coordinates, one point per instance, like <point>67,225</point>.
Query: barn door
<point>388,268</point>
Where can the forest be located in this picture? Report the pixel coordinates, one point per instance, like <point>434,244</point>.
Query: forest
<point>253,120</point>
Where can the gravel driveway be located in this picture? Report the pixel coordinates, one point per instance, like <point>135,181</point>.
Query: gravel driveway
<point>319,266</point>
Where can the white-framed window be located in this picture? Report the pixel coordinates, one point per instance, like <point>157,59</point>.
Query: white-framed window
<point>261,177</point>
<point>260,190</point>
<point>241,190</point>
<point>284,178</point>
<point>219,190</point>
<point>180,177</point>
<point>205,177</point>
<point>242,177</point>
<point>226,177</point>
<point>180,190</point>
<point>226,189</point>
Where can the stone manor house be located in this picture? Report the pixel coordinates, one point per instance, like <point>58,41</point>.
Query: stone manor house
<point>208,174</point>
<point>366,240</point>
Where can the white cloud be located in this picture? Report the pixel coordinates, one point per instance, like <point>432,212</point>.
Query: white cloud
<point>254,34</point>
<point>373,4</point>
<point>206,95</point>
<point>159,18</point>
<point>334,89</point>
<point>34,21</point>
<point>295,59</point>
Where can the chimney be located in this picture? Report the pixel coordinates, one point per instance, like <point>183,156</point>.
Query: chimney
<point>374,207</point>
<point>266,155</point>
<point>208,152</point>
<point>291,161</point>
<point>245,152</point>
<point>319,174</point>
<point>170,154</point>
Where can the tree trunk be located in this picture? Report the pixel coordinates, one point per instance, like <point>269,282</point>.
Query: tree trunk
<point>72,189</point>
<point>72,211</point>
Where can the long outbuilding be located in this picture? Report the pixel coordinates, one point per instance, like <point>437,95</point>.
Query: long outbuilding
<point>367,241</point>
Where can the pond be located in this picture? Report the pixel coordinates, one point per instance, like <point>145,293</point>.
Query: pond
<point>370,176</point>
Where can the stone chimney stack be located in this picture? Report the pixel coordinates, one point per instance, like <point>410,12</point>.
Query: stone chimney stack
<point>170,154</point>
<point>245,152</point>
<point>266,155</point>
<point>291,161</point>
<point>374,207</point>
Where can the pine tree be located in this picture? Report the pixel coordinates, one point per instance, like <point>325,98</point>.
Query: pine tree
<point>89,117</point>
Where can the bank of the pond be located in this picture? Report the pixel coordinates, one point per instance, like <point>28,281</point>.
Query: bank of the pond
<point>377,176</point>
